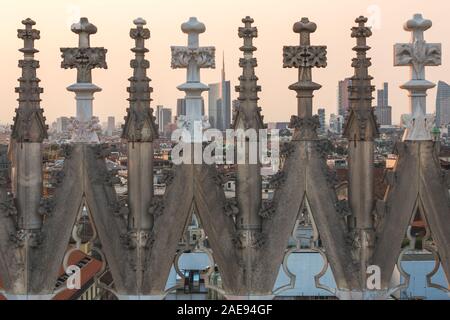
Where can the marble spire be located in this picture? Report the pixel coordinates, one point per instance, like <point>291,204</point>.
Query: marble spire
<point>140,123</point>
<point>361,124</point>
<point>84,58</point>
<point>361,129</point>
<point>248,114</point>
<point>249,237</point>
<point>304,57</point>
<point>417,55</point>
<point>29,122</point>
<point>193,58</point>
<point>28,132</point>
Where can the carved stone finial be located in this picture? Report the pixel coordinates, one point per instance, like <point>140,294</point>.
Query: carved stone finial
<point>193,58</point>
<point>139,22</point>
<point>193,28</point>
<point>140,123</point>
<point>361,123</point>
<point>28,35</point>
<point>29,122</point>
<point>84,58</point>
<point>305,28</point>
<point>84,29</point>
<point>418,24</point>
<point>140,33</point>
<point>417,55</point>
<point>248,114</point>
<point>305,57</point>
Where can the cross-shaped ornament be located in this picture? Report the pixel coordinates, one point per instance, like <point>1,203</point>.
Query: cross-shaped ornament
<point>305,57</point>
<point>28,35</point>
<point>417,55</point>
<point>84,58</point>
<point>248,33</point>
<point>193,58</point>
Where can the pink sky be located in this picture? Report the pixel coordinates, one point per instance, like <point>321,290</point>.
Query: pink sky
<point>274,20</point>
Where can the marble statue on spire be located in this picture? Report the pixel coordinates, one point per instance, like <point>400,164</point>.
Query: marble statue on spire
<point>84,58</point>
<point>417,55</point>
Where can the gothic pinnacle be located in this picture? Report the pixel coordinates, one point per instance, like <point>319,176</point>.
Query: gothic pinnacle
<point>361,122</point>
<point>139,123</point>
<point>29,122</point>
<point>248,113</point>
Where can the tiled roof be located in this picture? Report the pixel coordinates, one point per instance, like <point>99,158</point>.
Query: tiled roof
<point>89,268</point>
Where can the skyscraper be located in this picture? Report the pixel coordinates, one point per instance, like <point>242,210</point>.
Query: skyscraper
<point>219,103</point>
<point>343,97</point>
<point>62,124</point>
<point>322,115</point>
<point>443,104</point>
<point>164,117</point>
<point>383,110</point>
<point>111,127</point>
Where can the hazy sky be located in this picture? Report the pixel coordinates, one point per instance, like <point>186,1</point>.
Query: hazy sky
<point>274,20</point>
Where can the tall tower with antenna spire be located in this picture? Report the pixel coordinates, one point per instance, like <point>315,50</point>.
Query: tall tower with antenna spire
<point>219,102</point>
<point>223,66</point>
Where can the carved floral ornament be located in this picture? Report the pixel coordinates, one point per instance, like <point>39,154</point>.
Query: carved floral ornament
<point>361,32</point>
<point>88,58</point>
<point>418,55</point>
<point>304,56</point>
<point>251,32</point>
<point>140,33</point>
<point>203,57</point>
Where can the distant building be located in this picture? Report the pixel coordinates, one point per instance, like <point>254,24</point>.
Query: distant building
<point>181,107</point>
<point>4,161</point>
<point>336,123</point>
<point>383,110</point>
<point>443,104</point>
<point>111,126</point>
<point>343,97</point>
<point>322,121</point>
<point>62,124</point>
<point>164,117</point>
<point>219,103</point>
<point>278,125</point>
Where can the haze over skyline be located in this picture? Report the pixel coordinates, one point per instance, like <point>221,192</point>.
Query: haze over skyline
<point>273,19</point>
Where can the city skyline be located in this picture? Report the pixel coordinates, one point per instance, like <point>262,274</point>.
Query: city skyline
<point>275,31</point>
<point>360,198</point>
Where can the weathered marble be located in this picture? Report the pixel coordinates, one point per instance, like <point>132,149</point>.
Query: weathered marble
<point>84,58</point>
